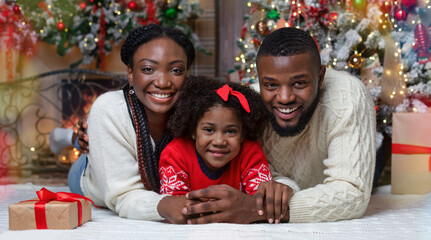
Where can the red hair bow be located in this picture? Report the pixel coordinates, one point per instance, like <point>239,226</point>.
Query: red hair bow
<point>224,92</point>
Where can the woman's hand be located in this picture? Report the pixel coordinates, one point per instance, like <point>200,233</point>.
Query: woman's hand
<point>83,137</point>
<point>225,204</point>
<point>275,196</point>
<point>171,208</point>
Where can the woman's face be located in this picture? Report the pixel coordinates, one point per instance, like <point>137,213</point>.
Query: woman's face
<point>159,71</point>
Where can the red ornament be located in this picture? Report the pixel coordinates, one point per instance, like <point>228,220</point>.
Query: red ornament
<point>132,5</point>
<point>333,16</point>
<point>61,26</point>
<point>16,9</point>
<point>422,37</point>
<point>409,3</point>
<point>82,5</point>
<point>400,14</point>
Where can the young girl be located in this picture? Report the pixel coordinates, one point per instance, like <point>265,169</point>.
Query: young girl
<point>216,126</point>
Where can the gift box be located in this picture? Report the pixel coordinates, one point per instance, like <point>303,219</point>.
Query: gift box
<point>50,211</point>
<point>411,153</point>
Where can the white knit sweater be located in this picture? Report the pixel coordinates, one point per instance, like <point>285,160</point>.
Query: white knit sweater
<point>332,161</point>
<point>112,177</point>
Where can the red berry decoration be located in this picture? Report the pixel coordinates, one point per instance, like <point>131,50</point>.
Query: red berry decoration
<point>16,9</point>
<point>61,26</point>
<point>132,5</point>
<point>409,3</point>
<point>82,5</point>
<point>400,14</point>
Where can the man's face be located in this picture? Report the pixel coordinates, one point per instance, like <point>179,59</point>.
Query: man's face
<point>289,88</point>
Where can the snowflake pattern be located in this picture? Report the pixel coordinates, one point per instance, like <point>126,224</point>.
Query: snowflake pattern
<point>171,181</point>
<point>254,176</point>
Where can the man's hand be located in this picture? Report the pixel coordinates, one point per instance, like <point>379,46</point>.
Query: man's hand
<point>83,137</point>
<point>273,198</point>
<point>225,204</point>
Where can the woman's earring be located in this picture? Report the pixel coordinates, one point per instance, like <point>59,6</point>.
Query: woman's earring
<point>131,91</point>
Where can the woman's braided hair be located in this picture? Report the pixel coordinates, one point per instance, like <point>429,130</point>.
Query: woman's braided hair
<point>148,159</point>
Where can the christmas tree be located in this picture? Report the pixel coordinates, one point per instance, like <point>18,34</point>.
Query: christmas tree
<point>384,43</point>
<point>95,26</point>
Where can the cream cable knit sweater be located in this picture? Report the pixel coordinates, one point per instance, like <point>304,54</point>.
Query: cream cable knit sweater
<point>332,162</point>
<point>112,177</point>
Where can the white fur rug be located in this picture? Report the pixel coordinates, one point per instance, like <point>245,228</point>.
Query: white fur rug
<point>387,217</point>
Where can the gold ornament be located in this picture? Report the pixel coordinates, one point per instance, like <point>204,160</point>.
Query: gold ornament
<point>261,28</point>
<point>356,61</point>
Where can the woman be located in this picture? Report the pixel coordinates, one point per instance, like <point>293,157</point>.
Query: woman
<point>127,129</point>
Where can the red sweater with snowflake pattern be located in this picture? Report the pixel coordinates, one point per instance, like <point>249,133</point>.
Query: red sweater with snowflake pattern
<point>182,170</point>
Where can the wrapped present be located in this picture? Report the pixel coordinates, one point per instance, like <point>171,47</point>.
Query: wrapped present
<point>411,153</point>
<point>51,210</point>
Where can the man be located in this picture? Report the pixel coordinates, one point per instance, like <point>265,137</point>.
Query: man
<point>322,137</point>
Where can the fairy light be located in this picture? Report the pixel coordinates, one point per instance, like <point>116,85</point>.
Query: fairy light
<point>346,67</point>
<point>249,4</point>
<point>384,121</point>
<point>243,60</point>
<point>248,70</point>
<point>23,23</point>
<point>49,6</point>
<point>293,2</point>
<point>242,55</point>
<point>32,149</point>
<point>246,46</point>
<point>414,22</point>
<point>90,23</point>
<point>96,39</point>
<point>252,65</point>
<point>120,30</point>
<point>415,109</point>
<point>401,92</point>
<point>41,31</point>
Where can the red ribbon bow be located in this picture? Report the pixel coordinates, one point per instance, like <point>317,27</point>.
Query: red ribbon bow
<point>224,92</point>
<point>46,196</point>
<point>411,149</point>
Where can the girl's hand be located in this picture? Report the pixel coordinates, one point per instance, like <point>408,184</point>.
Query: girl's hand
<point>82,135</point>
<point>171,208</point>
<point>276,197</point>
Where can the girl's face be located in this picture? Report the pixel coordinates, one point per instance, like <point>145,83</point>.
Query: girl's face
<point>159,71</point>
<point>218,137</point>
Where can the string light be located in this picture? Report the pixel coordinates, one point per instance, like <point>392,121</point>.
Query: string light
<point>32,149</point>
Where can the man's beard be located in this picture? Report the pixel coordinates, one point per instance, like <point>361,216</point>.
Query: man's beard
<point>302,123</point>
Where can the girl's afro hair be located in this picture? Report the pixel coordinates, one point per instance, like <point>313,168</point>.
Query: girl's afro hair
<point>198,95</point>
